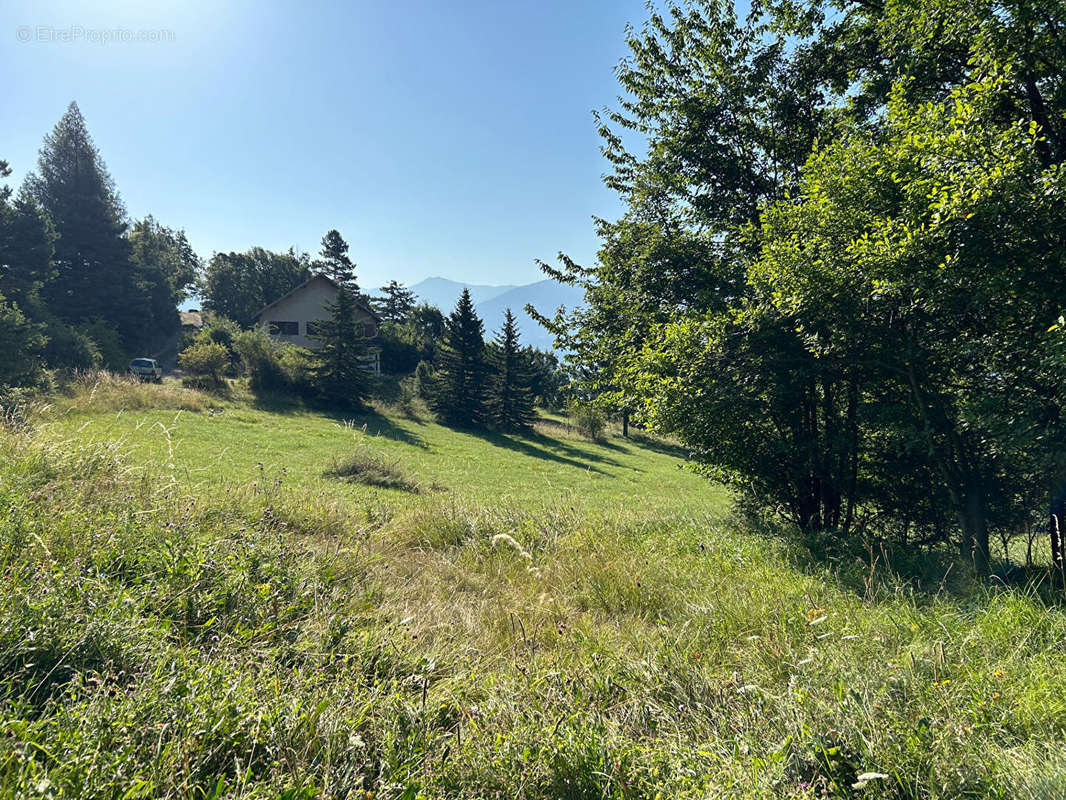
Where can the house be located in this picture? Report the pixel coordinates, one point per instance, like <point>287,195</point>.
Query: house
<point>191,321</point>
<point>293,318</point>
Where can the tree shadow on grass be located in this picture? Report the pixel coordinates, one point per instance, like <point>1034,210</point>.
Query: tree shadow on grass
<point>364,419</point>
<point>877,568</point>
<point>537,446</point>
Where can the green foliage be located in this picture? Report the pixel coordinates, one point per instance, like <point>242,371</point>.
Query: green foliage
<point>165,268</point>
<point>274,367</point>
<point>240,285</point>
<point>92,276</point>
<point>206,364</point>
<point>587,417</point>
<point>460,374</point>
<point>107,341</point>
<point>70,348</point>
<point>334,262</point>
<point>21,345</point>
<point>509,401</point>
<point>395,303</point>
<point>840,256</point>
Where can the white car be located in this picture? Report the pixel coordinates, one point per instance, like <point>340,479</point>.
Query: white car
<point>147,369</point>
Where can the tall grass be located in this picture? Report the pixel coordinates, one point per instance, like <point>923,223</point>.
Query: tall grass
<point>267,640</point>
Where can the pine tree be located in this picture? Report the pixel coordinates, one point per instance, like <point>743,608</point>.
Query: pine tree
<point>396,302</point>
<point>459,388</point>
<point>93,276</point>
<point>334,261</point>
<point>340,371</point>
<point>510,401</point>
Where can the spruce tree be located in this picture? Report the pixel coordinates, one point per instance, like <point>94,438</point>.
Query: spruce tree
<point>340,370</point>
<point>395,303</point>
<point>334,261</point>
<point>93,277</point>
<point>510,401</point>
<point>459,389</point>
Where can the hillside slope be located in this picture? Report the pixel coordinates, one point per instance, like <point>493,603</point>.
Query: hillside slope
<point>196,603</point>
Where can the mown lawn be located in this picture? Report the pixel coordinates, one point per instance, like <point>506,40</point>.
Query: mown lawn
<point>537,618</point>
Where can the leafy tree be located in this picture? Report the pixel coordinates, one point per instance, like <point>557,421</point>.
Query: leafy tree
<point>510,395</point>
<point>395,303</point>
<point>546,377</point>
<point>93,276</point>
<point>340,370</point>
<point>240,285</point>
<point>801,323</point>
<point>165,266</point>
<point>334,261</point>
<point>935,250</point>
<point>460,373</point>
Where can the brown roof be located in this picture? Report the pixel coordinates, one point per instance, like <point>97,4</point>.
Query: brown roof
<point>191,319</point>
<point>359,303</point>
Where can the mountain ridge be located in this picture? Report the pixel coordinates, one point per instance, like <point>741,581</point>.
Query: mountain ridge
<point>490,302</point>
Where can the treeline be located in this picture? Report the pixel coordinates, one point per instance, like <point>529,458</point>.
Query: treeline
<point>80,285</point>
<point>840,278</point>
<point>83,287</point>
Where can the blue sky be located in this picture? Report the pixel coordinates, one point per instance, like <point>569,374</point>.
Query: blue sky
<point>440,138</point>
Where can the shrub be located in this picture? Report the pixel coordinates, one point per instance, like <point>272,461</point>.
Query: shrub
<point>225,332</point>
<point>205,364</point>
<point>586,417</point>
<point>272,366</point>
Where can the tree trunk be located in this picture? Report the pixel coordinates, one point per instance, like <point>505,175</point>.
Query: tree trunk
<point>975,530</point>
<point>625,423</point>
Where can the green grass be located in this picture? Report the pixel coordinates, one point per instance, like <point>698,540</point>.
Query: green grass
<point>178,622</point>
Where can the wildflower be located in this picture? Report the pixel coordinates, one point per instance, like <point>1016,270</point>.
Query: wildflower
<point>866,777</point>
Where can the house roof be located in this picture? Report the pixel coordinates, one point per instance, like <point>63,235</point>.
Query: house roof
<point>191,319</point>
<point>318,276</point>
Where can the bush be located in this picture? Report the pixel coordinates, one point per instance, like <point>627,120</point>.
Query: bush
<point>272,366</point>
<point>225,332</point>
<point>205,364</point>
<point>586,417</point>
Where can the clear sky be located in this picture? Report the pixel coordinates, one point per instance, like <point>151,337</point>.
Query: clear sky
<point>441,137</point>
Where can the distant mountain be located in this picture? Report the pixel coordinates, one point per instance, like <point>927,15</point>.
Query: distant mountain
<point>443,293</point>
<point>491,302</point>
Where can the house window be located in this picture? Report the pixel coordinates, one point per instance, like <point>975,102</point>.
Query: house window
<point>284,328</point>
<point>369,330</point>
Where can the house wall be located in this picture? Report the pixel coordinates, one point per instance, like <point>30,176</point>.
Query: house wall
<point>307,305</point>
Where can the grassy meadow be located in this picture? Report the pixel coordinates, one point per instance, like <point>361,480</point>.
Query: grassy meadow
<point>205,598</point>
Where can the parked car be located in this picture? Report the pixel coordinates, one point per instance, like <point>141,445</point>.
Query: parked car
<point>147,369</point>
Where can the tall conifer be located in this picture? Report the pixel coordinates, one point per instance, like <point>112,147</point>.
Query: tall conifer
<point>340,372</point>
<point>510,401</point>
<point>459,388</point>
<point>93,277</point>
